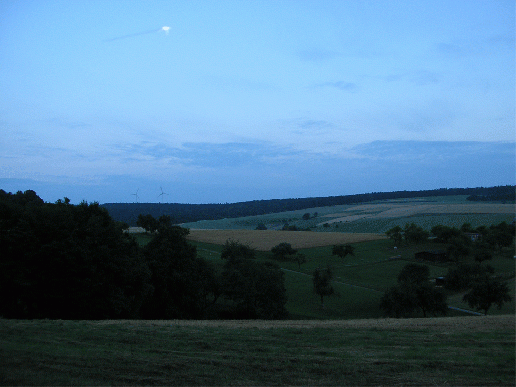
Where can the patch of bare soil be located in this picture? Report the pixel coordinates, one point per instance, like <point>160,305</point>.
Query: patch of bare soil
<point>264,240</point>
<point>441,324</point>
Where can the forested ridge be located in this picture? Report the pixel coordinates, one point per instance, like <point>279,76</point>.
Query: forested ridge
<point>183,213</point>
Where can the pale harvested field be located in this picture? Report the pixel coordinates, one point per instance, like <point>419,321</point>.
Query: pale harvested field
<point>397,210</point>
<point>264,240</point>
<point>441,324</point>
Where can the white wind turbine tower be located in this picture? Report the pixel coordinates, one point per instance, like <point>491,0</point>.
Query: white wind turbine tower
<point>160,196</point>
<point>136,195</point>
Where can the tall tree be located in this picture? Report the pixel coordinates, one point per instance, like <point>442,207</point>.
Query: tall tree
<point>343,250</point>
<point>487,292</point>
<point>234,250</point>
<point>396,234</point>
<point>322,283</point>
<point>147,222</point>
<point>64,261</point>
<point>459,248</point>
<point>415,234</point>
<point>182,281</point>
<point>283,251</point>
<point>413,292</point>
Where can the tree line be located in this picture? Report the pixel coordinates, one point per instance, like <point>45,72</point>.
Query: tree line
<point>469,248</point>
<point>183,213</point>
<point>64,261</point>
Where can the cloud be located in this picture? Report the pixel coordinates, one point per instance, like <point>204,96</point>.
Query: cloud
<point>477,47</point>
<point>233,172</point>
<point>419,77</point>
<point>313,124</point>
<point>209,155</point>
<point>341,85</point>
<point>436,151</point>
<point>428,117</point>
<point>316,55</point>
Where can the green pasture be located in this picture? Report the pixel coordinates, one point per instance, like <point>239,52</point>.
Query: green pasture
<point>360,280</point>
<point>58,353</point>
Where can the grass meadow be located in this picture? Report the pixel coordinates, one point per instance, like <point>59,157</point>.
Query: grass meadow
<point>360,280</point>
<point>444,351</point>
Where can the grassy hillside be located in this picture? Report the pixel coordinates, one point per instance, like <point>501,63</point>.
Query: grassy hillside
<point>443,351</point>
<point>360,280</point>
<point>376,217</point>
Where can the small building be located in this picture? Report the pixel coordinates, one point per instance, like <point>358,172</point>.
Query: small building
<point>474,236</point>
<point>433,255</point>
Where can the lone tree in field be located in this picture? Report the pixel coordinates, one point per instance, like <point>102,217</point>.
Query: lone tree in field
<point>300,259</point>
<point>283,251</point>
<point>396,234</point>
<point>413,292</point>
<point>234,250</point>
<point>415,234</point>
<point>322,283</point>
<point>487,292</point>
<point>148,222</point>
<point>459,248</point>
<point>343,250</point>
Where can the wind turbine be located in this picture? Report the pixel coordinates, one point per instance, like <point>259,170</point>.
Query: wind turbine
<point>160,196</point>
<point>136,195</point>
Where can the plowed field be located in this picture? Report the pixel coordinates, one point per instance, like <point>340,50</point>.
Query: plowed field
<point>396,210</point>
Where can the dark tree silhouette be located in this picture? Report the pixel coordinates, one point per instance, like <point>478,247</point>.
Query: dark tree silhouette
<point>396,234</point>
<point>413,292</point>
<point>343,250</point>
<point>322,283</point>
<point>487,292</point>
<point>283,251</point>
<point>234,250</point>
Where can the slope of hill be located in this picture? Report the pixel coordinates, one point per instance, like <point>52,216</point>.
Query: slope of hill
<point>182,213</point>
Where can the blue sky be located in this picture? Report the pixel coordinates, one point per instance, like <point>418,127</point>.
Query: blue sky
<point>246,100</point>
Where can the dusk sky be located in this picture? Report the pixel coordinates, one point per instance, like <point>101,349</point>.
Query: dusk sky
<point>247,100</point>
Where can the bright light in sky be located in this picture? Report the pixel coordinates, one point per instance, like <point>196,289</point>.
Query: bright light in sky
<point>255,99</point>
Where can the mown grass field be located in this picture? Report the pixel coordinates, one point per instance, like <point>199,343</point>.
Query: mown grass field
<point>460,351</point>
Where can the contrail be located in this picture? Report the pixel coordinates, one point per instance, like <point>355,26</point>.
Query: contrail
<point>165,28</point>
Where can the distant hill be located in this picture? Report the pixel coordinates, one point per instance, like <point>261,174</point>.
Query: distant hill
<point>183,213</point>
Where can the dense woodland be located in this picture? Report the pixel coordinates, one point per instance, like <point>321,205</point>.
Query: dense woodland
<point>64,261</point>
<point>183,213</point>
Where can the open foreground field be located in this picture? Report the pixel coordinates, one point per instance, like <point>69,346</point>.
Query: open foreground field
<point>434,351</point>
<point>264,240</point>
